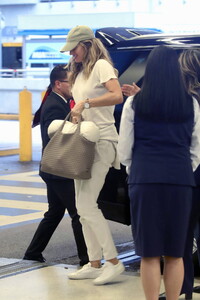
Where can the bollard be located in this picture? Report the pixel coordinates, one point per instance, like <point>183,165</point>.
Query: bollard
<point>25,122</point>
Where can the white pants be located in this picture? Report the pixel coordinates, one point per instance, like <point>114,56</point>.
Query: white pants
<point>96,231</point>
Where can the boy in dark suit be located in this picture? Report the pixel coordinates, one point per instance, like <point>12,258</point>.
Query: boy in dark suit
<point>60,191</point>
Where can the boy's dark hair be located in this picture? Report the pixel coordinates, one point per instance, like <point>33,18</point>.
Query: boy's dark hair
<point>58,73</point>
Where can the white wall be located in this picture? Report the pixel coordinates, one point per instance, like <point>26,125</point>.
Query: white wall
<point>94,20</point>
<point>10,88</point>
<point>169,15</point>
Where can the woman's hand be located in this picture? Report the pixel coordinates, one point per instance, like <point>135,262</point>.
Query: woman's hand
<point>76,112</point>
<point>130,90</point>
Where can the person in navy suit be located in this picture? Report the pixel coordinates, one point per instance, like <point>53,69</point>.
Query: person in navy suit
<point>60,191</point>
<point>190,65</point>
<point>159,144</point>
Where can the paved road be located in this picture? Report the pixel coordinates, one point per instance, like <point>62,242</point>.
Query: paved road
<point>23,203</point>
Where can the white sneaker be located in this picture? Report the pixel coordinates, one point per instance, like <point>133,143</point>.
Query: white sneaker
<point>86,272</point>
<point>109,272</point>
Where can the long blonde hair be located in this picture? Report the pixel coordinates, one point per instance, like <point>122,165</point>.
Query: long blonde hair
<point>94,50</point>
<point>190,65</point>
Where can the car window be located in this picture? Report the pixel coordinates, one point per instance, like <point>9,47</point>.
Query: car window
<point>136,69</point>
<point>134,63</point>
<point>133,73</point>
<point>122,59</point>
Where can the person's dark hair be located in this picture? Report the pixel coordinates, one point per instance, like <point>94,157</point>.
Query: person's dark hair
<point>58,73</point>
<point>163,96</point>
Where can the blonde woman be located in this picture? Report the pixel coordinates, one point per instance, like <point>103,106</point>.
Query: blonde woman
<point>96,91</point>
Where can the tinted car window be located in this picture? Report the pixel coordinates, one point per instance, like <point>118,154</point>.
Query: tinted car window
<point>135,71</point>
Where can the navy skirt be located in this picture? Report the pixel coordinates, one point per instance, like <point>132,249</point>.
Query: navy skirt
<point>160,216</point>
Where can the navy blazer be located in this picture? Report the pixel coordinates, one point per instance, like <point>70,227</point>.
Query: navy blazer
<point>161,153</point>
<point>54,108</point>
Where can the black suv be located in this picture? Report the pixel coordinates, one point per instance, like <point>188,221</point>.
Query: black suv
<point>129,49</point>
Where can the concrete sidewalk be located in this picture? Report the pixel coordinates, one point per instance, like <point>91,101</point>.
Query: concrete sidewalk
<point>50,282</point>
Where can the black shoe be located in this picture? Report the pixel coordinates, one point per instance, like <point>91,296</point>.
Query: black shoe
<point>83,262</point>
<point>41,259</point>
<point>196,289</point>
<point>162,296</point>
<point>187,296</point>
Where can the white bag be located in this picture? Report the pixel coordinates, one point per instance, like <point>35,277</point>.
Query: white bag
<point>88,130</point>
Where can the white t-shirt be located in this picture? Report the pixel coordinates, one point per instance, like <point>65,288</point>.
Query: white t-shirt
<point>93,87</point>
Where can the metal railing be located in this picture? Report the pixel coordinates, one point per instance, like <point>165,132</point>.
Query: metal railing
<point>25,73</point>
